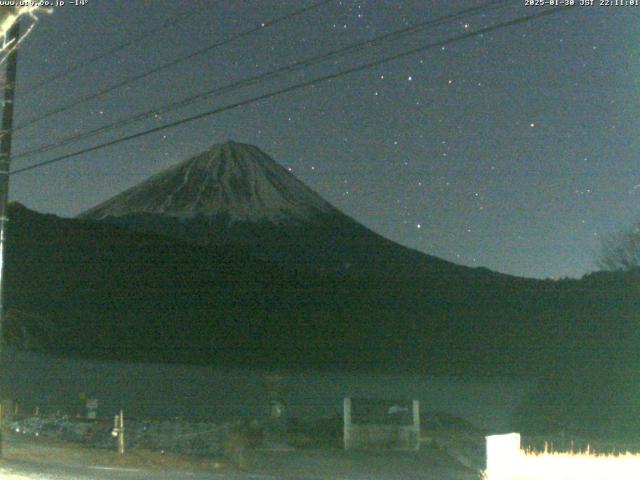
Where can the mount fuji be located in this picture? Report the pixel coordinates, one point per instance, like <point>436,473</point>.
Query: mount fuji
<point>235,194</point>
<point>232,180</point>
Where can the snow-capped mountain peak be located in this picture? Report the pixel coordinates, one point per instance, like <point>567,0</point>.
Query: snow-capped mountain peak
<point>232,179</point>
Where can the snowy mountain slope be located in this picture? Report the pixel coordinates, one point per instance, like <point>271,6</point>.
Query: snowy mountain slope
<point>236,180</point>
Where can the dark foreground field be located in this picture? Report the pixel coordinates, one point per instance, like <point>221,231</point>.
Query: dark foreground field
<point>27,458</point>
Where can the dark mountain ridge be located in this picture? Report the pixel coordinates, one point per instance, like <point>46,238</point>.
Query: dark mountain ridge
<point>106,287</point>
<point>111,292</point>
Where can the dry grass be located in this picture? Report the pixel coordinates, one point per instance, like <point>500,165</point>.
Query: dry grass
<point>568,466</point>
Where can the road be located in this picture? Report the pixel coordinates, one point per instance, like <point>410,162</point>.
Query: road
<point>19,470</point>
<point>24,471</point>
<point>37,460</point>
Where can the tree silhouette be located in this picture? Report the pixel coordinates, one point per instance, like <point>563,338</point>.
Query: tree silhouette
<point>622,250</point>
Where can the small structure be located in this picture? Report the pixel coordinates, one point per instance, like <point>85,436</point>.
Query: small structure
<point>503,455</point>
<point>92,408</point>
<point>375,423</point>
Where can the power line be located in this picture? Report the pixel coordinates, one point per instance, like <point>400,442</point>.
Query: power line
<point>316,59</point>
<point>298,86</point>
<point>172,63</point>
<point>252,80</point>
<point>172,21</point>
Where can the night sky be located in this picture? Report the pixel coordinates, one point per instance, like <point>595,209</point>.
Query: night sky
<point>516,150</point>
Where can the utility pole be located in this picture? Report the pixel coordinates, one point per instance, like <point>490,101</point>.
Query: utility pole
<point>5,158</point>
<point>5,165</point>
